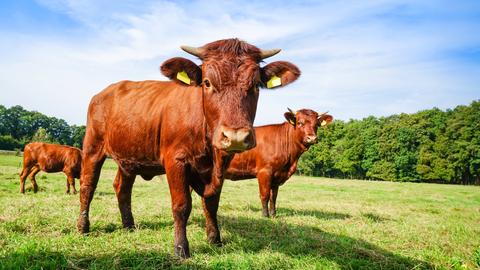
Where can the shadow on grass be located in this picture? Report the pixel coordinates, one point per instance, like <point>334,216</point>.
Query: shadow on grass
<point>374,217</point>
<point>282,212</point>
<point>245,234</point>
<point>258,234</point>
<point>48,259</point>
<point>141,225</point>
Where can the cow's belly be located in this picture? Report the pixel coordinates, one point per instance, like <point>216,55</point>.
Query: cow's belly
<point>146,168</point>
<point>49,165</point>
<point>239,175</point>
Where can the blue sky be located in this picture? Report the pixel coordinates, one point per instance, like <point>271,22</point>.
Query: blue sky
<point>358,58</point>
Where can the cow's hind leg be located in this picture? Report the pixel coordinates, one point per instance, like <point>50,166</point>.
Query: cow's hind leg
<point>210,207</point>
<point>23,175</point>
<point>123,185</point>
<point>264,180</point>
<point>93,158</point>
<point>70,183</point>
<point>32,174</point>
<point>273,201</point>
<point>181,205</point>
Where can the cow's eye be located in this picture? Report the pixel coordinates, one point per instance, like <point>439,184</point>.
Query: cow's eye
<point>207,83</point>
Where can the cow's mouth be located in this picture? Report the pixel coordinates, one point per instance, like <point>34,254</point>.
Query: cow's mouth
<point>235,147</point>
<point>309,143</point>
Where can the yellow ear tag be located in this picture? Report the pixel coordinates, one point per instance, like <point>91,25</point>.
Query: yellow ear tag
<point>274,82</point>
<point>183,77</point>
<point>324,123</point>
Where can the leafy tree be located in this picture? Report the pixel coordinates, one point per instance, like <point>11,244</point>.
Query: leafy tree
<point>41,136</point>
<point>19,127</point>
<point>7,142</point>
<point>430,145</point>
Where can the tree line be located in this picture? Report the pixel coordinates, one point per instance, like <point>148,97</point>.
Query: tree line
<point>428,146</point>
<point>19,127</point>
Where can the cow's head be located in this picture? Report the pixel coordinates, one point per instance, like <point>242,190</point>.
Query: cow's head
<point>306,123</point>
<point>230,77</point>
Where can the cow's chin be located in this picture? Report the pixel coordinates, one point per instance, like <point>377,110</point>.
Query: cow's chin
<point>233,147</point>
<point>230,150</point>
<point>308,143</point>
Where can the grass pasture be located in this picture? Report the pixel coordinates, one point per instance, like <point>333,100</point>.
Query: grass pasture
<point>321,224</point>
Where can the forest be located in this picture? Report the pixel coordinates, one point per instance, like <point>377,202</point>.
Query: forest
<point>427,146</point>
<point>19,127</point>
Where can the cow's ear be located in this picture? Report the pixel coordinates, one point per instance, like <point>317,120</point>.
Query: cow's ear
<point>290,116</point>
<point>279,73</point>
<point>182,70</point>
<point>325,119</point>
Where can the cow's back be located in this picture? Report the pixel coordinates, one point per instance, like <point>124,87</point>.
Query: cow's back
<point>51,157</point>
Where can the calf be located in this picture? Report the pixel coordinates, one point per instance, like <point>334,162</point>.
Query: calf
<point>47,157</point>
<point>275,157</point>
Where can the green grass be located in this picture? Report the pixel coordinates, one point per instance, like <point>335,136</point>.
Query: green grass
<point>321,224</point>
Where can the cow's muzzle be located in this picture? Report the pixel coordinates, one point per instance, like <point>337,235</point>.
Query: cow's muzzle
<point>234,140</point>
<point>312,139</point>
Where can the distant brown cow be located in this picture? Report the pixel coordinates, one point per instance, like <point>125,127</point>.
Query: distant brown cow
<point>275,157</point>
<point>188,128</point>
<point>47,157</point>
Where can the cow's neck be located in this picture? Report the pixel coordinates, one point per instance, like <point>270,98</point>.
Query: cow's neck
<point>212,171</point>
<point>294,144</point>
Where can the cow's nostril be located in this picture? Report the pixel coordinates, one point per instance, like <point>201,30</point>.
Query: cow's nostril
<point>311,139</point>
<point>249,140</point>
<point>241,135</point>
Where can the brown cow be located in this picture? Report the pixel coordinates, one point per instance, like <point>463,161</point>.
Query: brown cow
<point>38,156</point>
<point>189,129</point>
<point>275,157</point>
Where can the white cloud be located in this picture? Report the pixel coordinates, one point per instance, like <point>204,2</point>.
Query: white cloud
<point>380,57</point>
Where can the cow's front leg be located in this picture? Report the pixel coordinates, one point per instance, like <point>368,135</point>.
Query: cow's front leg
<point>123,185</point>
<point>181,205</point>
<point>210,207</point>
<point>273,201</point>
<point>264,180</point>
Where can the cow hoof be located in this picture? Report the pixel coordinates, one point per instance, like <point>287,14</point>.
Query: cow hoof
<point>214,239</point>
<point>83,225</point>
<point>129,227</point>
<point>217,243</point>
<point>182,252</point>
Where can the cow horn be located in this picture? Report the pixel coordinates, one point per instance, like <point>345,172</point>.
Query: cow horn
<point>293,112</point>
<point>197,51</point>
<point>321,114</point>
<point>268,53</point>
